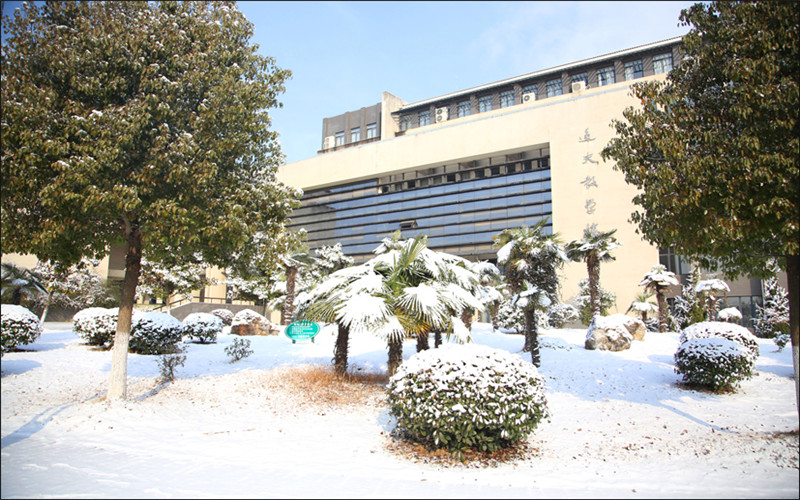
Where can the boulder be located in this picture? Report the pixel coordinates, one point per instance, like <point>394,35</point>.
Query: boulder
<point>608,333</point>
<point>249,322</point>
<point>636,327</point>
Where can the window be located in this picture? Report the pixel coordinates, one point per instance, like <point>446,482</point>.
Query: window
<point>424,118</point>
<point>355,134</point>
<point>485,104</point>
<point>531,89</point>
<point>405,123</point>
<point>581,77</point>
<point>605,76</point>
<point>506,98</point>
<point>633,70</point>
<point>553,87</point>
<point>463,109</point>
<point>372,130</point>
<point>674,262</point>
<point>339,139</point>
<point>662,63</point>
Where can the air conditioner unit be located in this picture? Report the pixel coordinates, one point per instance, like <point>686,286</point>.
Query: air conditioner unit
<point>328,142</point>
<point>442,114</point>
<point>529,97</point>
<point>578,86</point>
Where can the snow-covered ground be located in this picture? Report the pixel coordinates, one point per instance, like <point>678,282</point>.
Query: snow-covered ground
<point>620,427</point>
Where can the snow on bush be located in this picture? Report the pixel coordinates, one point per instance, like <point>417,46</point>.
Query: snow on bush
<point>560,314</point>
<point>18,325</point>
<point>714,362</point>
<point>467,396</point>
<point>225,315</point>
<point>155,333</point>
<point>202,326</point>
<point>96,325</point>
<point>718,329</point>
<point>729,315</point>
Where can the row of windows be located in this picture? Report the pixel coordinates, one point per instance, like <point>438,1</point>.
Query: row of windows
<point>468,196</point>
<point>605,76</point>
<point>455,172</point>
<point>355,134</point>
<point>463,215</point>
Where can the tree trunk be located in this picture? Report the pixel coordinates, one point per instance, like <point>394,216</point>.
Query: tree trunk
<point>593,267</point>
<point>495,322</point>
<point>422,341</point>
<point>437,339</point>
<point>395,356</point>
<point>532,336</point>
<point>662,309</point>
<point>466,318</point>
<point>46,306</point>
<point>340,350</point>
<point>118,378</point>
<point>529,318</point>
<point>288,304</point>
<point>793,278</point>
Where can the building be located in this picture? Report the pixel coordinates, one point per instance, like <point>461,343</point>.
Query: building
<point>462,167</point>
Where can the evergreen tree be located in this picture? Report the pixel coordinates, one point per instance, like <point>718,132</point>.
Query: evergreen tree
<point>715,150</point>
<point>772,319</point>
<point>144,123</point>
<point>583,301</point>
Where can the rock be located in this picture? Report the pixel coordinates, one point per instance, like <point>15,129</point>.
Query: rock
<point>635,327</point>
<point>608,333</point>
<point>249,322</point>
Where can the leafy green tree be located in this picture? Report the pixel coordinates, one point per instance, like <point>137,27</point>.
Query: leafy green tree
<point>594,248</point>
<point>138,123</point>
<point>657,281</point>
<point>531,259</point>
<point>716,148</point>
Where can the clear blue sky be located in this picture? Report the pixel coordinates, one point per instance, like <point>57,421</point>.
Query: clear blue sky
<point>344,54</point>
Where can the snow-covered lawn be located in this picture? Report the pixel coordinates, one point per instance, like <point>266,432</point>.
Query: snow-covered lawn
<point>620,427</point>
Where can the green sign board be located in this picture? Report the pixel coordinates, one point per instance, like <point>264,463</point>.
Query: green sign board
<point>302,330</point>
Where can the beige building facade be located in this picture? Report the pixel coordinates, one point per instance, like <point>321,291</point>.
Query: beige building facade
<point>566,131</point>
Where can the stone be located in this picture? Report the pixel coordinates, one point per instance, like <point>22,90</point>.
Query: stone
<point>636,327</point>
<point>608,333</point>
<point>249,322</point>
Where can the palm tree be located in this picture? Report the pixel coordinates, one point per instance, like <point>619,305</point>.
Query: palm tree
<point>595,247</point>
<point>657,280</point>
<point>292,261</point>
<point>531,259</point>
<point>642,305</point>
<point>406,289</point>
<point>19,283</point>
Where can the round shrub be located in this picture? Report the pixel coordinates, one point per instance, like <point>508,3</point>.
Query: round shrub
<point>202,326</point>
<point>96,325</point>
<point>467,397</point>
<point>719,329</point>
<point>225,315</point>
<point>18,326</point>
<point>155,333</point>
<point>717,363</point>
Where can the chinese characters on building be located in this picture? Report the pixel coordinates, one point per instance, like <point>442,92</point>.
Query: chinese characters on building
<point>590,182</point>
